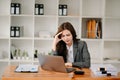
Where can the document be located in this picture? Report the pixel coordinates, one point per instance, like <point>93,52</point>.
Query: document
<point>26,68</point>
<point>108,68</point>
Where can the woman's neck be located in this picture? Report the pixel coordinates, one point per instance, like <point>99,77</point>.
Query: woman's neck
<point>69,45</point>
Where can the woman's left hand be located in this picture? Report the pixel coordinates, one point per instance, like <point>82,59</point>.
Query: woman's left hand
<point>68,64</point>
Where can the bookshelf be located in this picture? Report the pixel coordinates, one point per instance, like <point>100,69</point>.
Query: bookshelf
<point>103,50</point>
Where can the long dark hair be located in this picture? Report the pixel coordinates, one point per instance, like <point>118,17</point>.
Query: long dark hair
<point>61,46</point>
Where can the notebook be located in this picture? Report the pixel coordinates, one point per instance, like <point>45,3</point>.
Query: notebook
<point>53,63</point>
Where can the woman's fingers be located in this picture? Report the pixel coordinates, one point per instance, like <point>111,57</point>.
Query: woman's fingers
<point>57,35</point>
<point>68,64</point>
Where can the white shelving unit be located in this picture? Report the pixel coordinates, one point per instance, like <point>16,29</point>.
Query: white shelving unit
<point>111,32</point>
<point>78,12</point>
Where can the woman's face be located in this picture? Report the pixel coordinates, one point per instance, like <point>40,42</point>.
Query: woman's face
<point>67,37</point>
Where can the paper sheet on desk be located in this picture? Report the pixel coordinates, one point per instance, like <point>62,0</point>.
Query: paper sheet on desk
<point>109,68</point>
<point>27,68</point>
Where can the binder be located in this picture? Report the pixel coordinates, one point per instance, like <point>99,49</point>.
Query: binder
<point>93,29</point>
<point>89,29</point>
<point>12,31</point>
<point>99,30</point>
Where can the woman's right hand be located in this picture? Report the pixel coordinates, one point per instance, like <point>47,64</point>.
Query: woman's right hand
<point>56,40</point>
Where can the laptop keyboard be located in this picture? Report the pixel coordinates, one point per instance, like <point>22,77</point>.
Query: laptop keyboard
<point>70,70</point>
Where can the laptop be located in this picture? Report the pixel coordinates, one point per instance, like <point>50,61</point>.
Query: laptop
<point>53,63</point>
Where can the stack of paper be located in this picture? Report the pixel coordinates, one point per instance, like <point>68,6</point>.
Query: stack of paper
<point>108,68</point>
<point>27,68</point>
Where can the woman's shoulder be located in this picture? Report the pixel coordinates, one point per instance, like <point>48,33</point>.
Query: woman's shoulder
<point>79,41</point>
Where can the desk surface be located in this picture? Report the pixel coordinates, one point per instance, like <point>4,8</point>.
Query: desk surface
<point>9,74</point>
<point>90,76</point>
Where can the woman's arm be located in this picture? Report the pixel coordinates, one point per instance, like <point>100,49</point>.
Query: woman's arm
<point>55,41</point>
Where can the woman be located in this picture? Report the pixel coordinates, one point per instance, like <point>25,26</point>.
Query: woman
<point>74,51</point>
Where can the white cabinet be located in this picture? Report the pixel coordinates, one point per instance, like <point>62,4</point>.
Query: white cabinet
<point>102,50</point>
<point>45,24</point>
<point>93,8</point>
<point>4,7</point>
<point>50,7</point>
<point>73,7</point>
<point>4,34</point>
<point>26,8</point>
<point>4,49</point>
<point>112,8</point>
<point>4,26</point>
